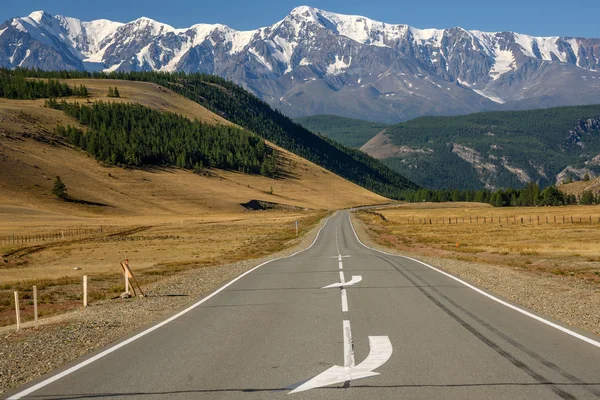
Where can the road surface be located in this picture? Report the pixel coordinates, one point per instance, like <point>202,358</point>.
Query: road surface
<point>340,321</point>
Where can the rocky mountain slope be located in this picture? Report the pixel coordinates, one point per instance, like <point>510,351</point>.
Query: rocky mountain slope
<point>494,149</point>
<point>318,62</point>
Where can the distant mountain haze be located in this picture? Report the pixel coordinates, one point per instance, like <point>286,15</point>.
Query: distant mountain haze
<point>318,62</point>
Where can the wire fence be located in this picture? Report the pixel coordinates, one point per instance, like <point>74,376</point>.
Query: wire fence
<point>16,239</point>
<point>514,220</point>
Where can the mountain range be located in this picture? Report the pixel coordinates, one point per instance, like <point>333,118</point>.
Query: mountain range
<point>318,62</point>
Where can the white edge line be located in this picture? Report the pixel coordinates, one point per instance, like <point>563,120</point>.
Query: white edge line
<point>504,303</point>
<point>151,329</point>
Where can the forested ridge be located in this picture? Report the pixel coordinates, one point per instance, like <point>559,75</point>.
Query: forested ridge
<point>14,85</point>
<point>348,131</point>
<point>539,142</point>
<point>133,135</point>
<point>246,110</point>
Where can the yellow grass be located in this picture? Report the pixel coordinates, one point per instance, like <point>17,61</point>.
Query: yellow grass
<point>499,236</point>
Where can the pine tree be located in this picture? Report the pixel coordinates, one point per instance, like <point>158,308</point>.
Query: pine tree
<point>116,92</point>
<point>59,189</point>
<point>110,92</point>
<point>587,198</point>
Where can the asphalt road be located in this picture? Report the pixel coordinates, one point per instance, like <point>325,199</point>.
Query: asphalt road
<point>276,330</point>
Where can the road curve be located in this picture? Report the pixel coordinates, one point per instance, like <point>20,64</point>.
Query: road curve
<point>340,321</point>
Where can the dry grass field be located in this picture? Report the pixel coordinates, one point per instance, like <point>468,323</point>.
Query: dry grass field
<point>497,235</point>
<point>163,220</point>
<point>156,248</point>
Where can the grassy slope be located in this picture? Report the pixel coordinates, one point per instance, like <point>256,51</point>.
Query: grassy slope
<point>246,110</point>
<point>347,131</point>
<point>579,187</point>
<point>525,137</point>
<point>28,166</point>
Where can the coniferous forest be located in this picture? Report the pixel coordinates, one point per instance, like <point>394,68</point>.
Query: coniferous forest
<point>134,135</point>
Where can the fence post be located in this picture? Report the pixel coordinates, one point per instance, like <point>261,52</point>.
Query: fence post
<point>84,291</point>
<point>538,219</point>
<point>35,312</point>
<point>17,310</point>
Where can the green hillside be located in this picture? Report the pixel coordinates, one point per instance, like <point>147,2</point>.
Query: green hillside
<point>347,131</point>
<point>246,110</point>
<point>498,149</point>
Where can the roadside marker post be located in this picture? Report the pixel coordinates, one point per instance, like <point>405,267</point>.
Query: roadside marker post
<point>85,291</point>
<point>296,227</point>
<point>35,311</point>
<point>17,310</point>
<point>126,282</point>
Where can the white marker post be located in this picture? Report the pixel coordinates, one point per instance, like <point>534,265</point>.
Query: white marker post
<point>84,291</point>
<point>126,282</point>
<point>296,228</point>
<point>35,312</point>
<point>17,310</point>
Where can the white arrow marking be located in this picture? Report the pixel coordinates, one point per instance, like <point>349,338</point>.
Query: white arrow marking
<point>355,279</point>
<point>380,352</point>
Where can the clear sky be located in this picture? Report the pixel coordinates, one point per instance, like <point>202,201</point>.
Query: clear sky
<point>535,17</point>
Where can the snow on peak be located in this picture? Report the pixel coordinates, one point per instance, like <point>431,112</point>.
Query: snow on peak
<point>504,62</point>
<point>304,11</point>
<point>37,16</point>
<point>155,26</point>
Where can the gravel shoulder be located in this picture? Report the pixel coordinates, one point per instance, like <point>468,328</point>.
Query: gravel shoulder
<point>564,299</point>
<point>30,353</point>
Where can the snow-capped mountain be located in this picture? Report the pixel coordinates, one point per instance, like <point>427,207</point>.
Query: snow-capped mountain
<point>315,62</point>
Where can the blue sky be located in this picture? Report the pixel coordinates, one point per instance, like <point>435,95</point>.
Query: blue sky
<point>535,17</point>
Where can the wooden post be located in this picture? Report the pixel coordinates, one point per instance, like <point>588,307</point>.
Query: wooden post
<point>546,220</point>
<point>85,291</point>
<point>538,219</point>
<point>477,219</point>
<point>555,219</point>
<point>35,312</point>
<point>17,310</point>
<point>571,219</point>
<point>470,220</point>
<point>126,282</point>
